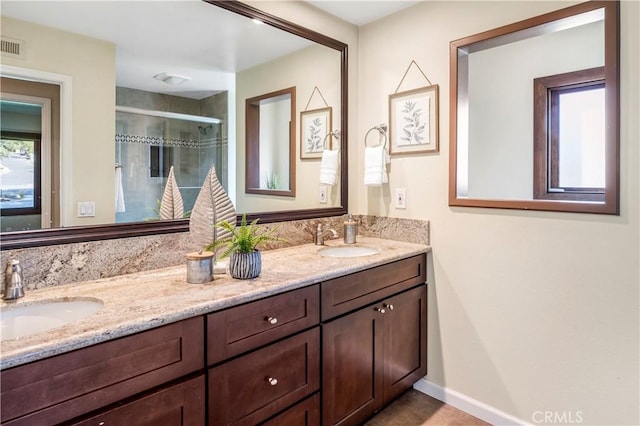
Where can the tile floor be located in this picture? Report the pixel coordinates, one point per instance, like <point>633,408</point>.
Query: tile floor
<point>417,409</point>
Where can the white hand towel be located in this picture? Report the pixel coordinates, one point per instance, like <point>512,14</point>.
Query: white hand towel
<point>375,165</point>
<point>329,167</point>
<point>119,191</point>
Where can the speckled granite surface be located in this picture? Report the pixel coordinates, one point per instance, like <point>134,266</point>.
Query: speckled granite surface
<point>79,262</point>
<point>144,300</point>
<point>69,263</point>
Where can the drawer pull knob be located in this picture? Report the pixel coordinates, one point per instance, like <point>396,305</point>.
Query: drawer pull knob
<point>272,320</point>
<point>390,307</point>
<point>381,310</point>
<point>272,381</point>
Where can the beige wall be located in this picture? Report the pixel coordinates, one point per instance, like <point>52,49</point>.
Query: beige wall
<point>300,70</point>
<point>91,65</point>
<point>303,14</point>
<point>528,311</point>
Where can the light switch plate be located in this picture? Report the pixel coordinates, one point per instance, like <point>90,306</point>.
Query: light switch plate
<point>401,198</point>
<point>322,194</point>
<point>86,209</point>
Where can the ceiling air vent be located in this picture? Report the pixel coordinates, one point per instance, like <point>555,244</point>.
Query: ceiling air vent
<point>12,47</point>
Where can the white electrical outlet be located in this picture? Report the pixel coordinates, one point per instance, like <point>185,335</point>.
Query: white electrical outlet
<point>322,194</point>
<point>401,198</point>
<point>86,209</point>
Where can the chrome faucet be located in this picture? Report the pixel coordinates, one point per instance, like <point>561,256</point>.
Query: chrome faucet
<point>13,288</point>
<point>319,235</point>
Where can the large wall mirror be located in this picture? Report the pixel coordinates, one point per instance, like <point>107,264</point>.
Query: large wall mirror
<point>144,88</point>
<point>535,113</point>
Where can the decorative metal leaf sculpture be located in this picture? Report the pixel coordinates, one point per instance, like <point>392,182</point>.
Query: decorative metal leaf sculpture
<point>213,205</point>
<point>171,206</point>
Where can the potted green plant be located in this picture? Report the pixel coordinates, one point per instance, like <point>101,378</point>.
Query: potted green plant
<point>245,260</point>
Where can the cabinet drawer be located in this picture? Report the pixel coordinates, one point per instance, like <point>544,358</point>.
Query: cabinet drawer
<point>239,329</point>
<point>180,405</point>
<point>345,294</point>
<point>305,413</point>
<point>66,386</point>
<point>250,389</point>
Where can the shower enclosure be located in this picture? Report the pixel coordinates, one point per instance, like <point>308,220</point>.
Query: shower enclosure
<point>150,142</point>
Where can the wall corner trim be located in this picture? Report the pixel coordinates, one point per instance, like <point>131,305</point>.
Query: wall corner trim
<point>467,404</point>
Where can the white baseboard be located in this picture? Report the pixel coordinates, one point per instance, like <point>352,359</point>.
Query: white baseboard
<point>468,405</point>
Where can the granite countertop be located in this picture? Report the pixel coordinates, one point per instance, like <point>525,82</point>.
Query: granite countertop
<point>145,300</point>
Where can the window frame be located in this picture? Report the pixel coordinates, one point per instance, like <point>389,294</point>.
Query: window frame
<point>37,174</point>
<point>546,143</point>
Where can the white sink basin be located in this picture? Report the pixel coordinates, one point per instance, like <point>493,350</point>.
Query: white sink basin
<point>348,251</point>
<point>25,319</point>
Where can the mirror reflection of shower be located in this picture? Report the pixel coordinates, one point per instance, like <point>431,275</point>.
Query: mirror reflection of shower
<point>149,142</point>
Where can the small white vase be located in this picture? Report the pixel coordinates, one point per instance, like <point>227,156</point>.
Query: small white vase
<point>245,266</point>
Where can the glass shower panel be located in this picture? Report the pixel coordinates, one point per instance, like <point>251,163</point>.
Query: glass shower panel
<point>146,149</point>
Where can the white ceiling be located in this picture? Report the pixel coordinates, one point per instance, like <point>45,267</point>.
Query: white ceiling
<point>361,12</point>
<point>184,37</point>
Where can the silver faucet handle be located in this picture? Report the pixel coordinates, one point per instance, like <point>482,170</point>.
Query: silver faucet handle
<point>13,287</point>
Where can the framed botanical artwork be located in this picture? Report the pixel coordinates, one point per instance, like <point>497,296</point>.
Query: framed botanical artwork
<point>314,126</point>
<point>413,121</point>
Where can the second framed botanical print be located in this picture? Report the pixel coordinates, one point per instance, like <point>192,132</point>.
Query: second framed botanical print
<point>314,126</point>
<point>413,121</point>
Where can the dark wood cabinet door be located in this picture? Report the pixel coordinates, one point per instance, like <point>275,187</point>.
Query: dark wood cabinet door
<point>252,388</point>
<point>179,405</point>
<point>305,413</point>
<point>352,387</point>
<point>405,345</point>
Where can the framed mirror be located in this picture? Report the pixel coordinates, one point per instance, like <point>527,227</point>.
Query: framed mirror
<point>231,55</point>
<point>270,156</point>
<point>535,113</point>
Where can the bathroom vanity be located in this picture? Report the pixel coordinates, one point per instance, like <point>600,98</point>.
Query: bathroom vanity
<point>315,340</point>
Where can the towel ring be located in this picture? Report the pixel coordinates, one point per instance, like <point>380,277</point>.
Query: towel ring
<point>335,134</point>
<point>382,129</point>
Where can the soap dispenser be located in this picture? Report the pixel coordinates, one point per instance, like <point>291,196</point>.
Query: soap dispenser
<point>350,229</point>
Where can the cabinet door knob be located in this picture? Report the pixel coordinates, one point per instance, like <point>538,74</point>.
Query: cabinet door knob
<point>272,320</point>
<point>272,381</point>
<point>381,310</point>
<point>390,307</point>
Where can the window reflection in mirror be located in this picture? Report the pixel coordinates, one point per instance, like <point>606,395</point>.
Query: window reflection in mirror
<point>569,136</point>
<point>19,173</point>
<point>581,139</point>
<point>25,182</point>
<point>270,143</point>
<point>494,161</point>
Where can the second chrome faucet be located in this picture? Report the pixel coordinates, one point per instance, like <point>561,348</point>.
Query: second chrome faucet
<point>319,235</point>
